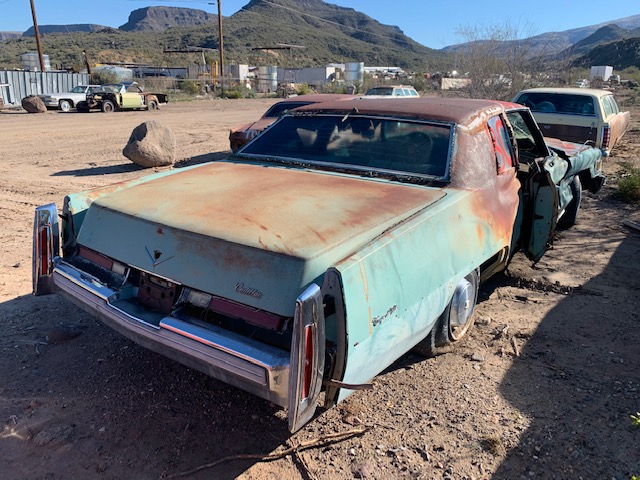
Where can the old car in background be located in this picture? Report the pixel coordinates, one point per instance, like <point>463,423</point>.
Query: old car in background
<point>400,91</point>
<point>241,135</point>
<point>122,96</point>
<point>581,115</point>
<point>65,101</point>
<point>343,236</point>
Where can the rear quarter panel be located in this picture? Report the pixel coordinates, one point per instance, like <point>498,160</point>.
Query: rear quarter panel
<point>397,286</point>
<point>619,124</point>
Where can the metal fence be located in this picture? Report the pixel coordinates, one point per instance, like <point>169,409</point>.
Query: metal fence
<point>17,84</point>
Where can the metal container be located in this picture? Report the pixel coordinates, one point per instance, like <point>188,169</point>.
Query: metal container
<point>31,62</point>
<point>267,79</point>
<point>354,73</point>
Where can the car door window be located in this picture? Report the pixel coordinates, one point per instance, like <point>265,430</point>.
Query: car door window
<point>501,144</point>
<point>608,104</point>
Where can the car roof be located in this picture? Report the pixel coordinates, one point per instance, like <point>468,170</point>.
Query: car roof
<point>567,90</point>
<point>318,97</point>
<point>461,111</point>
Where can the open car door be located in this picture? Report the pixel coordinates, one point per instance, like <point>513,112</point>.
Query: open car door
<point>541,204</point>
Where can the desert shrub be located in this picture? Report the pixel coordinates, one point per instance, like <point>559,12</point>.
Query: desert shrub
<point>190,87</point>
<point>104,77</point>
<point>629,184</point>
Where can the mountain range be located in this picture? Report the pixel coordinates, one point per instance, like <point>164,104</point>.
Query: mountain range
<point>302,32</point>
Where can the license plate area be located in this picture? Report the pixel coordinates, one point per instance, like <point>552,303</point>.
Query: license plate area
<point>157,294</point>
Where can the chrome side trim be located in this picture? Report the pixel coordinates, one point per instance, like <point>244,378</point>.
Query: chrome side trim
<point>45,225</point>
<point>309,315</point>
<point>239,361</point>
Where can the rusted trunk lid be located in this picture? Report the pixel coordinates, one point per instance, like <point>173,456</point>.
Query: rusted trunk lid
<point>253,233</point>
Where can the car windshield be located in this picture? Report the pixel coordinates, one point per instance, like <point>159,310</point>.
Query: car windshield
<point>380,91</point>
<point>111,88</point>
<point>280,108</point>
<point>558,103</point>
<point>364,142</point>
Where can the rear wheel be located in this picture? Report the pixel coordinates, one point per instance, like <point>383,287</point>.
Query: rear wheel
<point>108,106</point>
<point>456,320</point>
<point>153,105</point>
<point>65,105</point>
<point>570,215</point>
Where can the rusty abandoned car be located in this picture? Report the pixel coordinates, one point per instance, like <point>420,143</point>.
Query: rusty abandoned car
<point>343,236</point>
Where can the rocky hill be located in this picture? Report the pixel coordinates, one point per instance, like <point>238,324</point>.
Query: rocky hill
<point>602,36</point>
<point>159,19</point>
<point>80,27</point>
<point>9,35</point>
<point>622,54</point>
<point>553,43</point>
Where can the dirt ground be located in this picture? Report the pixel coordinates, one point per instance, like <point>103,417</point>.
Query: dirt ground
<point>543,388</point>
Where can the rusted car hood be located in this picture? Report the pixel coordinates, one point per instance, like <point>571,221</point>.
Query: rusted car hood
<point>232,228</point>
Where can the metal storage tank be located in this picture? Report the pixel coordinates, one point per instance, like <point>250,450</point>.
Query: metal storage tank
<point>31,62</point>
<point>267,79</point>
<point>354,72</point>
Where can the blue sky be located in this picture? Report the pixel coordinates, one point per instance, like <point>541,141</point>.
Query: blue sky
<point>432,23</point>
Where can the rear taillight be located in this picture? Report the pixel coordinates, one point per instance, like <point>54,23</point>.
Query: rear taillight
<point>606,137</point>
<point>308,362</point>
<point>46,244</point>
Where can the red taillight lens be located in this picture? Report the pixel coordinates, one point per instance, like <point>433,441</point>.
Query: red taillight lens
<point>308,361</point>
<point>606,137</point>
<point>44,252</point>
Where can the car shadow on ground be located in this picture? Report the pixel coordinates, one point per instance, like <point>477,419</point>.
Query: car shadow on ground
<point>584,358</point>
<point>104,404</point>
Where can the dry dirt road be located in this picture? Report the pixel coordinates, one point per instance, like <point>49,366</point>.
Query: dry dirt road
<point>543,388</point>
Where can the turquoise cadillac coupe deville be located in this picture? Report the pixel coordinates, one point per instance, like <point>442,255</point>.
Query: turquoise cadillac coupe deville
<point>345,235</point>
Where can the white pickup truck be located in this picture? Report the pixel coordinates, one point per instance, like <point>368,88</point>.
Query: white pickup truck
<point>65,101</point>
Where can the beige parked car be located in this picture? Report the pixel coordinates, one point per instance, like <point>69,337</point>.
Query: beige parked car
<point>581,115</point>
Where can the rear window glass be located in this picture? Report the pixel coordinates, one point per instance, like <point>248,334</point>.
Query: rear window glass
<point>279,108</point>
<point>558,103</point>
<point>365,142</point>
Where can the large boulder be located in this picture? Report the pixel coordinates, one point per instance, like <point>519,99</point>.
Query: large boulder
<point>151,144</point>
<point>33,104</point>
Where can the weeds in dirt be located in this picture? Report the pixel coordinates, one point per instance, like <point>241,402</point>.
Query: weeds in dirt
<point>493,445</point>
<point>629,184</point>
<point>636,420</point>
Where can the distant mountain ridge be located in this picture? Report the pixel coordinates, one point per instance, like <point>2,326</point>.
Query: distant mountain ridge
<point>552,43</point>
<point>77,27</point>
<point>316,33</point>
<point>162,18</point>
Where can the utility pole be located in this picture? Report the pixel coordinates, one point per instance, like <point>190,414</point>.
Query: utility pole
<point>221,49</point>
<point>37,32</point>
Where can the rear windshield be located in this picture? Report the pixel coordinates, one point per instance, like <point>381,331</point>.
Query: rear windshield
<point>380,91</point>
<point>558,103</point>
<point>410,147</point>
<point>279,108</point>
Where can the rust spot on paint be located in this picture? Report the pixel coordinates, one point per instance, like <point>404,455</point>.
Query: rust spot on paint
<point>159,231</point>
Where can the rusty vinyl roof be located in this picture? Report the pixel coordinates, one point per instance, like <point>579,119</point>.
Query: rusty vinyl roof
<point>461,111</point>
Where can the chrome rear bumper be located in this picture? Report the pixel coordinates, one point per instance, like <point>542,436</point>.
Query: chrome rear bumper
<point>240,361</point>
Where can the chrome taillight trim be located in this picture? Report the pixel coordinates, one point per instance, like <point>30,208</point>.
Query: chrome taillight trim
<point>309,313</point>
<point>46,246</point>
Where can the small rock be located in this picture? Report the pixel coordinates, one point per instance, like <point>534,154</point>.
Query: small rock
<point>62,333</point>
<point>16,265</point>
<point>476,357</point>
<point>483,321</point>
<point>362,470</point>
<point>352,452</point>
